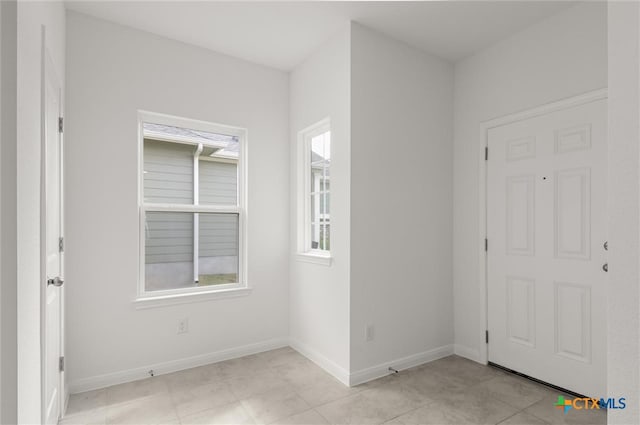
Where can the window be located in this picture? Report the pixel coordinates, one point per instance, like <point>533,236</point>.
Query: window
<point>316,166</point>
<point>191,207</point>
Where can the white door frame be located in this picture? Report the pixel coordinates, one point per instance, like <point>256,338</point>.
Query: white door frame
<point>482,199</point>
<point>47,67</point>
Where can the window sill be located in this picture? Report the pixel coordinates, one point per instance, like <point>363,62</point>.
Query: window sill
<point>309,257</point>
<point>145,302</point>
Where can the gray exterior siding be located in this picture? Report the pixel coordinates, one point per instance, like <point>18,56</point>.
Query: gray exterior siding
<point>168,178</point>
<point>168,172</point>
<point>218,235</point>
<point>218,183</point>
<point>169,237</point>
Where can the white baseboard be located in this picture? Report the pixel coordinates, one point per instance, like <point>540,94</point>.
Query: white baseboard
<point>349,379</point>
<point>467,352</point>
<point>378,371</point>
<point>329,366</point>
<point>106,380</point>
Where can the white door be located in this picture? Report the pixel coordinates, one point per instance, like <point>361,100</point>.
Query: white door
<point>52,335</point>
<point>546,229</point>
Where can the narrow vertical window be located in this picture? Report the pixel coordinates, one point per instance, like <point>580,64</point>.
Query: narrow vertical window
<point>316,165</point>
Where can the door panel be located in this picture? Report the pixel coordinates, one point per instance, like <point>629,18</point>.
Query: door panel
<point>546,224</point>
<point>521,326</point>
<point>520,215</point>
<point>572,233</point>
<point>573,317</point>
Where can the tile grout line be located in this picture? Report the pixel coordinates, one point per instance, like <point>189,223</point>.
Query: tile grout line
<point>322,416</point>
<point>173,403</point>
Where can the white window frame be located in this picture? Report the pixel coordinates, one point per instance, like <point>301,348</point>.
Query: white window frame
<point>305,253</point>
<point>146,299</point>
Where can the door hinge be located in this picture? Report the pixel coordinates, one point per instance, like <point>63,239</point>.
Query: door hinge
<point>61,124</point>
<point>61,244</point>
<point>61,364</point>
<point>486,153</point>
<point>486,336</point>
<point>486,244</point>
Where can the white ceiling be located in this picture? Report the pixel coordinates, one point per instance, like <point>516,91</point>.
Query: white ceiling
<point>283,34</point>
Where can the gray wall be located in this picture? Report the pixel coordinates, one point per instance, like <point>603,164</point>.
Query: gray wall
<point>319,295</point>
<point>400,256</point>
<point>124,68</point>
<point>562,56</point>
<point>8,302</point>
<point>623,296</point>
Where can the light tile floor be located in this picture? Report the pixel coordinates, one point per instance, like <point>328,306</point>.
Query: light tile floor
<point>283,387</point>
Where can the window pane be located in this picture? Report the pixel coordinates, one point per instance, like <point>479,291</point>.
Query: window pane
<point>324,237</point>
<point>320,152</point>
<point>317,152</point>
<point>315,208</point>
<point>218,183</point>
<point>324,184</point>
<point>324,205</point>
<point>315,236</point>
<point>218,253</point>
<point>169,250</point>
<point>168,172</point>
<point>316,177</point>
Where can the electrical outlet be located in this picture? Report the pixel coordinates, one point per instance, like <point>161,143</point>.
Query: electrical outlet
<point>369,333</point>
<point>183,326</point>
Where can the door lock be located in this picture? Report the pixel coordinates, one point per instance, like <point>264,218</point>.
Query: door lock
<point>56,281</point>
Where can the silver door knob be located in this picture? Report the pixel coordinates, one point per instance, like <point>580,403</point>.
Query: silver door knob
<point>605,267</point>
<point>56,281</point>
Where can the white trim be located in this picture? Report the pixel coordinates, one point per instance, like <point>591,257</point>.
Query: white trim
<point>240,209</point>
<point>467,352</point>
<point>183,297</point>
<point>329,366</point>
<point>44,69</point>
<point>50,76</point>
<point>378,371</point>
<point>314,258</point>
<point>191,208</point>
<point>63,290</point>
<point>190,290</point>
<point>121,377</point>
<point>485,126</point>
<point>225,159</point>
<point>196,217</point>
<point>353,379</point>
<point>67,396</point>
<point>141,212</point>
